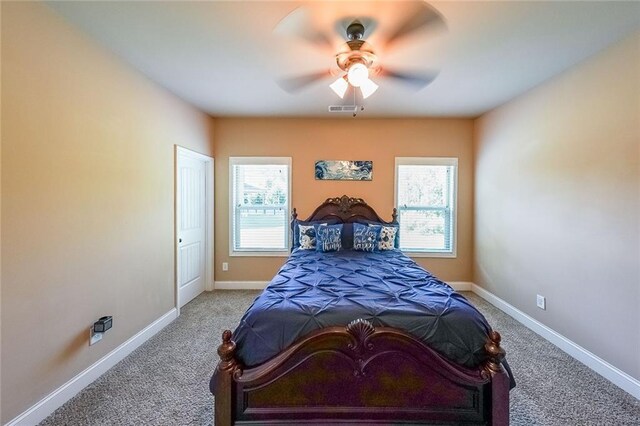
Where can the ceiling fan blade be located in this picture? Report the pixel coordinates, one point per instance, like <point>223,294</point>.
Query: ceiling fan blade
<point>417,80</point>
<point>422,16</point>
<point>298,24</point>
<point>295,84</point>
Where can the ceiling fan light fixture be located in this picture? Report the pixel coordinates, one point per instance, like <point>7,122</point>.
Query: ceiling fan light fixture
<point>368,88</point>
<point>340,87</point>
<point>358,74</point>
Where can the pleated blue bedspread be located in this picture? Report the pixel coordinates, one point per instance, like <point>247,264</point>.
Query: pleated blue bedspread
<point>315,290</point>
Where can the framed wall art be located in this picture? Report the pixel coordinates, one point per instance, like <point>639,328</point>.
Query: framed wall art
<point>344,170</point>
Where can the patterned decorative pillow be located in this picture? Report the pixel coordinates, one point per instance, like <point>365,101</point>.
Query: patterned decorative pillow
<point>307,237</point>
<point>328,237</point>
<point>373,222</point>
<point>365,237</point>
<point>296,228</point>
<point>387,238</point>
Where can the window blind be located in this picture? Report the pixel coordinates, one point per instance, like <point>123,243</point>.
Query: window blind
<point>426,205</point>
<point>260,206</point>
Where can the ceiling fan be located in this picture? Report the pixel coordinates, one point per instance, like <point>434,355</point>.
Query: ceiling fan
<point>356,60</point>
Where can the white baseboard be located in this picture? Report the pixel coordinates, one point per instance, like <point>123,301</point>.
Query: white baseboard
<point>57,398</point>
<point>240,285</point>
<point>597,364</point>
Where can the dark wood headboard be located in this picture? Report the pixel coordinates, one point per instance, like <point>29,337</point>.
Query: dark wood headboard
<point>346,210</point>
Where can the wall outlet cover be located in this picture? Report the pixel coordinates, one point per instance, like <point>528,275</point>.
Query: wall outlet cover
<point>225,266</point>
<point>541,302</point>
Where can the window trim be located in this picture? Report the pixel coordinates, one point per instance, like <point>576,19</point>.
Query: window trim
<point>433,161</point>
<point>234,161</point>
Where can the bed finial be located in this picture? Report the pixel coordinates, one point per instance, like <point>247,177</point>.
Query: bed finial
<point>227,351</point>
<point>495,354</point>
<point>227,369</point>
<point>394,215</point>
<point>294,214</point>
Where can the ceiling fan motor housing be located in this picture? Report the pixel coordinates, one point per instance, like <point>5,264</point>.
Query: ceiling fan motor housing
<point>354,52</point>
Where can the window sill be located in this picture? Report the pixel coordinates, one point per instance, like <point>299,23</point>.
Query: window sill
<point>259,253</point>
<point>430,254</point>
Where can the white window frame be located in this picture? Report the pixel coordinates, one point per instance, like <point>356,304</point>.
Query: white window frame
<point>433,161</point>
<point>234,161</point>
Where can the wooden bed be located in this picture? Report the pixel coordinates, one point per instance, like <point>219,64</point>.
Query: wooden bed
<point>358,374</point>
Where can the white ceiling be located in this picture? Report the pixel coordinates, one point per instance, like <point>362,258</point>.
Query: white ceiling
<point>225,58</point>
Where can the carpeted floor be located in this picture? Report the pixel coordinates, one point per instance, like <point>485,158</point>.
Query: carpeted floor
<point>165,381</point>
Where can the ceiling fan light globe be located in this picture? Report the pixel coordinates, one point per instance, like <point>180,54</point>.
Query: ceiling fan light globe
<point>358,73</point>
<point>368,88</point>
<point>340,87</point>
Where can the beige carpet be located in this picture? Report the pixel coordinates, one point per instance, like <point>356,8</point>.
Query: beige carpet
<point>166,380</point>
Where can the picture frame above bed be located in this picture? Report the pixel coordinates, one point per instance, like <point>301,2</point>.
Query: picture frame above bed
<point>344,170</point>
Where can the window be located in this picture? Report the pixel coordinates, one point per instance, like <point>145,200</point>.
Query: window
<point>259,205</point>
<point>426,200</point>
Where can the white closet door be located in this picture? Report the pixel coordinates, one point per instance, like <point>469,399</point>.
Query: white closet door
<point>191,226</point>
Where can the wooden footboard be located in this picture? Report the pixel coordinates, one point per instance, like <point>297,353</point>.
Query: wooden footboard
<point>360,374</point>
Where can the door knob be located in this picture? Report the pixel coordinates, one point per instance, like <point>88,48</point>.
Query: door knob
<point>180,240</point>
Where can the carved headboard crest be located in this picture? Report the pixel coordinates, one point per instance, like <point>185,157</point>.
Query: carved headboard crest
<point>346,209</point>
<point>345,203</point>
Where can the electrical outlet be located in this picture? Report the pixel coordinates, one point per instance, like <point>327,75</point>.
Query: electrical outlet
<point>225,266</point>
<point>94,337</point>
<point>541,301</point>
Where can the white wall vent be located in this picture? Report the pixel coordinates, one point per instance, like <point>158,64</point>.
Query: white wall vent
<point>343,108</point>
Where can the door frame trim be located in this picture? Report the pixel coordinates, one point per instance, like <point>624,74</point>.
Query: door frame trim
<point>209,225</point>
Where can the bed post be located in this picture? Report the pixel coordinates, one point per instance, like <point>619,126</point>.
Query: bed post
<point>499,380</point>
<point>224,403</point>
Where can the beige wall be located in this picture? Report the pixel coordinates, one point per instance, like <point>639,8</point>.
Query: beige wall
<point>308,140</point>
<point>0,217</point>
<point>557,204</point>
<point>87,200</point>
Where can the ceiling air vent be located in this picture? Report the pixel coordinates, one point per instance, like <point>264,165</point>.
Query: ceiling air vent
<point>343,108</point>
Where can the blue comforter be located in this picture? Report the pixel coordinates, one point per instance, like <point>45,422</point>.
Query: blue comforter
<point>315,290</point>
